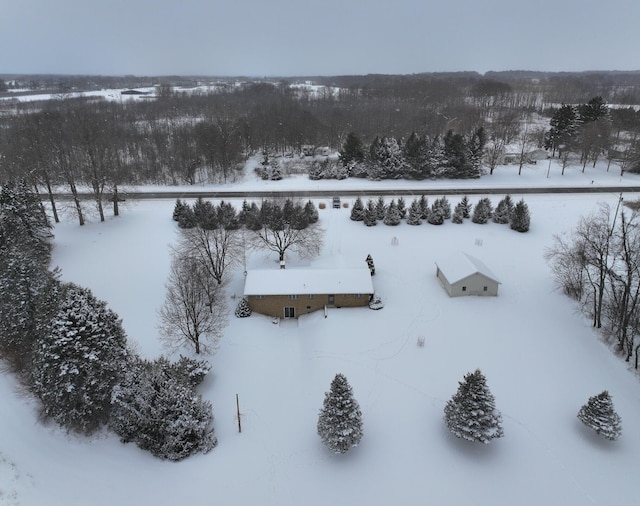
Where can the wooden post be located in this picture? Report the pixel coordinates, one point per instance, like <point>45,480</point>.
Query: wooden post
<point>238,412</point>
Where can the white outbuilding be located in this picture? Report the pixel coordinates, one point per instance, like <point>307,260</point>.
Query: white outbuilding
<point>462,274</point>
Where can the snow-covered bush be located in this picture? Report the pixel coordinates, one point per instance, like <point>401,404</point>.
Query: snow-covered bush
<point>503,211</point>
<point>340,419</point>
<point>156,408</point>
<point>376,302</point>
<point>599,414</point>
<point>471,413</point>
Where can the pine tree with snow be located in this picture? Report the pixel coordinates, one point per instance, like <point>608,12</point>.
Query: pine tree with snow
<point>445,206</point>
<point>178,209</point>
<point>370,264</point>
<point>340,419</point>
<point>402,208</point>
<point>156,408</point>
<point>243,310</point>
<point>424,207</point>
<point>79,361</point>
<point>370,215</point>
<point>311,213</point>
<point>599,414</point>
<point>415,213</point>
<point>482,211</point>
<point>357,211</point>
<point>466,207</point>
<point>471,413</point>
<point>436,215</point>
<point>503,211</point>
<point>521,219</point>
<point>458,214</point>
<point>392,217</point>
<point>381,208</point>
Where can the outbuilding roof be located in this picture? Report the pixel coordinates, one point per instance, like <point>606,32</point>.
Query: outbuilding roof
<point>460,265</point>
<point>307,281</point>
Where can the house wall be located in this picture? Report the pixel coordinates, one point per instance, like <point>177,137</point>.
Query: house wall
<point>474,285</point>
<point>273,305</point>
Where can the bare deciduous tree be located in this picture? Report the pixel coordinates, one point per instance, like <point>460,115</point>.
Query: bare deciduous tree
<point>214,250</point>
<point>194,309</point>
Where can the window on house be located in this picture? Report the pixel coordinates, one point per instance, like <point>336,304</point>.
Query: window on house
<point>294,297</point>
<point>289,312</point>
<point>485,288</point>
<point>260,297</point>
<point>310,296</point>
<point>358,295</point>
<point>464,288</point>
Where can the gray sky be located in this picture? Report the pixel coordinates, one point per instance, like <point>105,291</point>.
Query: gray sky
<point>321,37</point>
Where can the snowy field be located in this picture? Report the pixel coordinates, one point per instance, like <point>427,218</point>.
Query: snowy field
<point>542,361</point>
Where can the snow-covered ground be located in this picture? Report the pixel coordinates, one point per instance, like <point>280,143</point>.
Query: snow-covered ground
<point>542,361</point>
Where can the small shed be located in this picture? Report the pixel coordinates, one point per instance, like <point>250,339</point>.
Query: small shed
<point>462,274</point>
<point>289,293</point>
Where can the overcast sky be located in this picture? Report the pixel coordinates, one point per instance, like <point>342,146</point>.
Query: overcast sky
<point>321,37</point>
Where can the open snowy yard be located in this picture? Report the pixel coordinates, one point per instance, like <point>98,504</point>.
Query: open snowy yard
<point>541,359</point>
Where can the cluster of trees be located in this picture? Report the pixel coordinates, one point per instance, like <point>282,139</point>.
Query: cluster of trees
<point>70,350</point>
<point>598,264</point>
<point>392,214</point>
<point>470,414</point>
<point>454,156</point>
<point>587,130</point>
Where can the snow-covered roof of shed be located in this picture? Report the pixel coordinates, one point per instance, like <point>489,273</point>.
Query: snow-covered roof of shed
<point>461,265</point>
<point>307,281</point>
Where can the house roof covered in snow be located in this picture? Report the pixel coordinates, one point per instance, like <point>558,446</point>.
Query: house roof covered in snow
<point>307,281</point>
<point>460,265</point>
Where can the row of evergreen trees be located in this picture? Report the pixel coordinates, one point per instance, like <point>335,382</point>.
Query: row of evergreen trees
<point>470,414</point>
<point>419,157</point>
<point>392,214</point>
<point>71,351</point>
<point>271,213</point>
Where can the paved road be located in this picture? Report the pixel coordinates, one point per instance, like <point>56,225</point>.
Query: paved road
<point>369,192</point>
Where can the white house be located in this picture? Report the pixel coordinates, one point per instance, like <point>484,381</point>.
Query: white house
<point>462,274</point>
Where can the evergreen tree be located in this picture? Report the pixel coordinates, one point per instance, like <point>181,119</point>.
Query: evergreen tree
<point>156,407</point>
<point>392,217</point>
<point>445,207</point>
<point>340,419</point>
<point>357,211</point>
<point>414,154</point>
<point>599,414</point>
<point>402,208</point>
<point>424,206</point>
<point>471,413</point>
<point>79,361</point>
<point>458,214</point>
<point>253,217</point>
<point>370,216</point>
<point>520,219</point>
<point>311,213</point>
<point>243,310</point>
<point>503,211</point>
<point>205,214</point>
<point>352,149</point>
<point>415,213</point>
<point>436,215</point>
<point>466,207</point>
<point>178,209</point>
<point>564,128</point>
<point>381,209</point>
<point>187,218</point>
<point>226,216</point>
<point>370,264</point>
<point>482,211</point>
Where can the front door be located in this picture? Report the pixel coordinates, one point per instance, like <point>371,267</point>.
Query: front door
<point>289,312</point>
<point>331,300</point>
